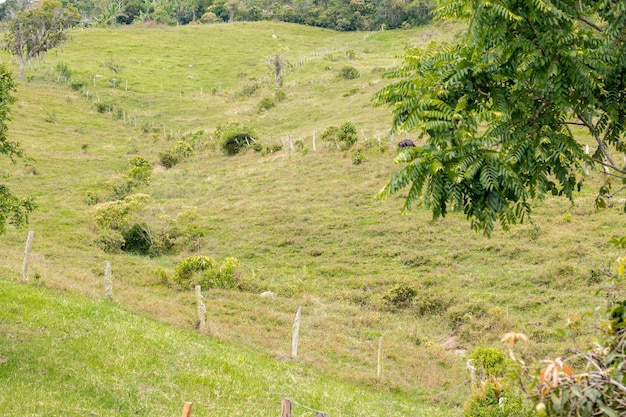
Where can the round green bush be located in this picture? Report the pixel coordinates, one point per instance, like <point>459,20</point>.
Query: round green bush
<point>348,73</point>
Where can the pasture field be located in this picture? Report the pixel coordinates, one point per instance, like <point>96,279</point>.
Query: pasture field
<point>303,223</point>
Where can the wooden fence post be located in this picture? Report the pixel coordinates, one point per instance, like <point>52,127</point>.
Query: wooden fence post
<point>187,410</point>
<point>379,367</point>
<point>295,334</point>
<point>201,309</point>
<point>108,285</point>
<point>29,245</point>
<point>321,414</point>
<point>285,408</point>
<point>314,146</point>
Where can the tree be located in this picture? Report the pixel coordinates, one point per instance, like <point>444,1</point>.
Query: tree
<point>33,32</point>
<point>497,108</point>
<point>13,210</point>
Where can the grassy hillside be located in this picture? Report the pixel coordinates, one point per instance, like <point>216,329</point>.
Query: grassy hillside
<point>62,354</point>
<point>304,223</point>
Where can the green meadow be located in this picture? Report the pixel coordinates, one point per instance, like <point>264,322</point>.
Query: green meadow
<point>303,221</point>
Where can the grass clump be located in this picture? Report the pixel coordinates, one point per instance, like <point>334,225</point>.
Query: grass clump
<point>205,271</point>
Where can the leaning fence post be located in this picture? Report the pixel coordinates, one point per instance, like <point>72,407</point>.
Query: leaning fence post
<point>285,408</point>
<point>201,309</point>
<point>295,332</point>
<point>379,366</point>
<point>187,409</point>
<point>108,286</point>
<point>29,245</point>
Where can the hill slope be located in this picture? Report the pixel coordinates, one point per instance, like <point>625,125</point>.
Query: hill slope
<point>61,354</point>
<point>303,222</point>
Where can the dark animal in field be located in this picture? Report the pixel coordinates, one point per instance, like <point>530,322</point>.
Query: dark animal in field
<point>406,143</point>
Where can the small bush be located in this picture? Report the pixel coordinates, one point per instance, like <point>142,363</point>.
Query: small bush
<point>140,169</point>
<point>492,399</point>
<point>343,136</point>
<point>349,73</point>
<point>204,271</point>
<point>209,18</point>
<point>168,158</point>
<point>265,104</point>
<point>491,360</point>
<point>399,296</point>
<point>77,85</point>
<point>234,138</point>
<point>104,107</point>
<point>279,96</point>
<point>110,241</point>
<point>358,157</point>
<point>137,239</point>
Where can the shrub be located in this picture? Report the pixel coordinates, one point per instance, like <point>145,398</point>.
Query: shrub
<point>204,271</point>
<point>77,85</point>
<point>110,241</point>
<point>279,96</point>
<point>493,399</point>
<point>117,214</point>
<point>104,107</point>
<point>399,296</point>
<point>234,138</point>
<point>168,158</point>
<point>182,148</point>
<point>137,239</point>
<point>348,73</point>
<point>358,157</point>
<point>209,18</point>
<point>347,134</point>
<point>343,136</point>
<point>491,360</point>
<point>140,169</point>
<point>266,103</point>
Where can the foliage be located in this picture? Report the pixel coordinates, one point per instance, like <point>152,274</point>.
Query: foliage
<point>13,210</point>
<point>136,175</point>
<point>491,360</point>
<point>181,149</point>
<point>358,157</point>
<point>35,31</point>
<point>205,271</point>
<point>265,104</point>
<point>495,399</point>
<point>234,137</point>
<point>119,214</point>
<point>349,73</point>
<point>169,158</point>
<point>399,296</point>
<point>496,109</point>
<point>343,136</point>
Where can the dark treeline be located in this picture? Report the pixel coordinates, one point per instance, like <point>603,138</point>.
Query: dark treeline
<point>343,15</point>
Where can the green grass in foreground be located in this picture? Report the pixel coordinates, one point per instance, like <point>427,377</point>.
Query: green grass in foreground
<point>63,354</point>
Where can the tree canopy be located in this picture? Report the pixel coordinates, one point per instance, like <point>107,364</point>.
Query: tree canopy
<point>333,14</point>
<point>13,210</point>
<point>501,110</point>
<point>34,31</point>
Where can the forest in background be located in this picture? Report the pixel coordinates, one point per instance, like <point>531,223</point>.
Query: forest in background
<point>342,15</point>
